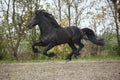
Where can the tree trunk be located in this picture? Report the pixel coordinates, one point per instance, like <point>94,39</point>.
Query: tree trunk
<point>59,6</point>
<point>68,3</point>
<point>115,13</point>
<point>116,18</point>
<point>69,17</point>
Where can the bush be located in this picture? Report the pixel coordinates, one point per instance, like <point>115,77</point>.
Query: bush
<point>3,51</point>
<point>111,46</point>
<point>61,51</point>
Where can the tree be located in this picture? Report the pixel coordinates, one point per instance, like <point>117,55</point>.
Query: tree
<point>15,19</point>
<point>58,7</point>
<point>67,4</point>
<point>78,10</point>
<point>115,8</point>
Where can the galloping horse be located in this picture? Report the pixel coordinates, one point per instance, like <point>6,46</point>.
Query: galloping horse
<point>53,34</point>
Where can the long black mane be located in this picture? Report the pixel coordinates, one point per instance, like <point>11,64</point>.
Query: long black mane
<point>52,19</point>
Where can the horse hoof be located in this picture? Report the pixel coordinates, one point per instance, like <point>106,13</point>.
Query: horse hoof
<point>51,55</point>
<point>67,60</point>
<point>76,55</point>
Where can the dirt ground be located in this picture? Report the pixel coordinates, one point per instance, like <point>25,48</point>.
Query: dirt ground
<point>73,70</point>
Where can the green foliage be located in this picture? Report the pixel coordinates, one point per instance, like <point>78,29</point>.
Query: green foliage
<point>111,46</point>
<point>3,52</point>
<point>3,44</point>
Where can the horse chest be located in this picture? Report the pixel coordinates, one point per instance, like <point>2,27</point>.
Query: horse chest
<point>48,38</point>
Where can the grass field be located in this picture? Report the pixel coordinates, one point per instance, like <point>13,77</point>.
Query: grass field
<point>90,58</point>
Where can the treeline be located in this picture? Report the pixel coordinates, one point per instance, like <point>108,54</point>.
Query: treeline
<point>16,39</point>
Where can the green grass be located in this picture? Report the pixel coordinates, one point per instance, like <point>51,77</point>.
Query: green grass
<point>23,61</point>
<point>90,58</point>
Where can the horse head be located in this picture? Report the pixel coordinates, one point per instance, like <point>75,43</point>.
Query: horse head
<point>35,18</point>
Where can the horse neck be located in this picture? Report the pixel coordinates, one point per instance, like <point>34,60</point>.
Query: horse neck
<point>45,27</point>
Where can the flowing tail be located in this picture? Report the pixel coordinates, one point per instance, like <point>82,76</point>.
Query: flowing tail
<point>92,37</point>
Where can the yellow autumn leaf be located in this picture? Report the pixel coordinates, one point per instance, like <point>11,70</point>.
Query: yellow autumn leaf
<point>64,22</point>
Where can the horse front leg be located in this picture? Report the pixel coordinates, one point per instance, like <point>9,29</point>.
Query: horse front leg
<point>37,43</point>
<point>78,50</point>
<point>48,47</point>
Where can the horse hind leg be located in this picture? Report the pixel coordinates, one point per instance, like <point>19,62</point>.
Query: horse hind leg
<point>73,51</point>
<point>78,50</point>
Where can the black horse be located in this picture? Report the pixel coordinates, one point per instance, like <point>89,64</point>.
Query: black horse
<point>53,34</point>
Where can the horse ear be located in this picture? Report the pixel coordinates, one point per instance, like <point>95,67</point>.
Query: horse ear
<point>38,12</point>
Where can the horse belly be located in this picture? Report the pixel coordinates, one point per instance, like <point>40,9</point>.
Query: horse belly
<point>63,37</point>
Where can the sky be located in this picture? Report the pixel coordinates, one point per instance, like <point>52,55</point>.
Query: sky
<point>87,20</point>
